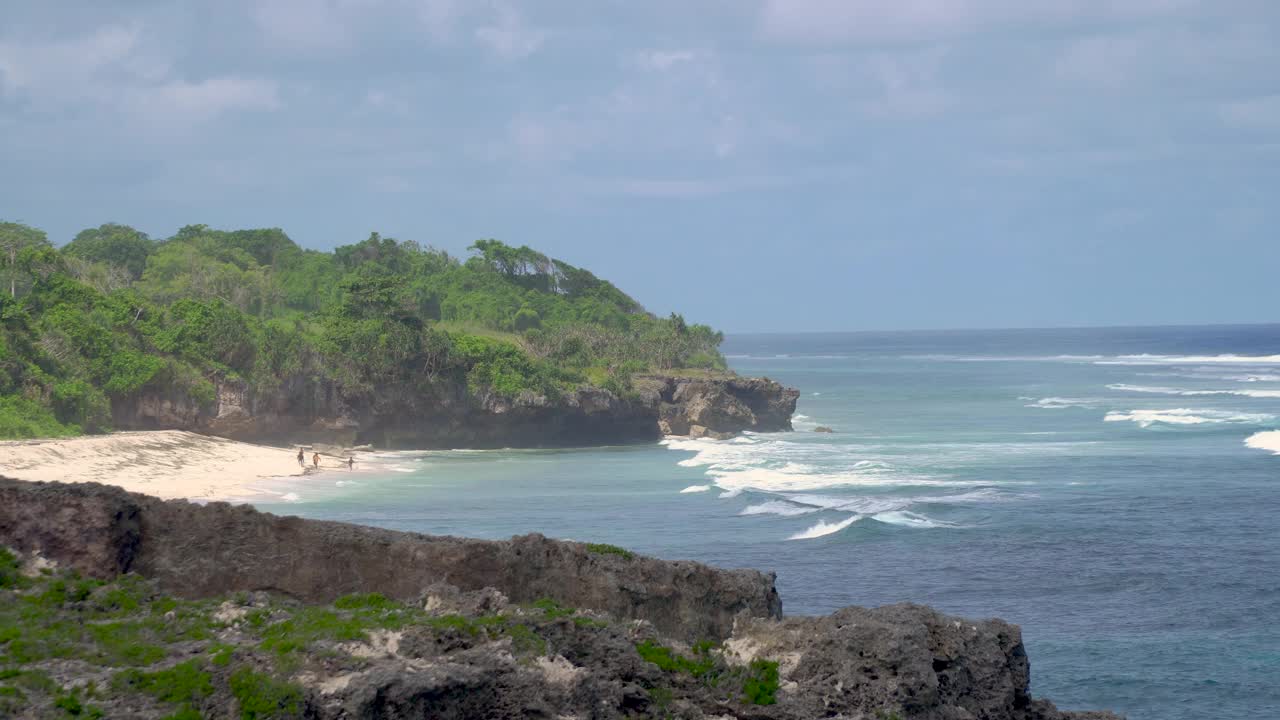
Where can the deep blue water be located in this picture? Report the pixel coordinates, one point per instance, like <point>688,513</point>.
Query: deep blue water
<point>1093,486</point>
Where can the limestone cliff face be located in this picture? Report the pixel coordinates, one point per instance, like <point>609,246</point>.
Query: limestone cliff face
<point>300,410</point>
<point>723,407</point>
<point>904,661</point>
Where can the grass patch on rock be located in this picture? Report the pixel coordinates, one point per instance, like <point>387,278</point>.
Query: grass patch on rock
<point>607,549</point>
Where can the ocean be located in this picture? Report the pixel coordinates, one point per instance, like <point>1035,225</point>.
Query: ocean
<point>1113,491</point>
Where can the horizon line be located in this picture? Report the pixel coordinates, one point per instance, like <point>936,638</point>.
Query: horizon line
<point>1025,328</point>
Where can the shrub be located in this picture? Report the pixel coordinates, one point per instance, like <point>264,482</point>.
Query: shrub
<point>760,687</point>
<point>606,549</point>
<point>262,697</point>
<point>21,418</point>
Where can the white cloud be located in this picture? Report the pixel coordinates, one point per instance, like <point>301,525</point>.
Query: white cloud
<point>65,69</point>
<point>826,21</point>
<point>663,60</point>
<point>508,36</point>
<point>302,24</point>
<point>438,17</point>
<point>210,97</point>
<point>112,68</point>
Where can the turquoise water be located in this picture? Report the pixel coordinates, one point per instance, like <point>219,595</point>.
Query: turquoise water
<point>1094,486</point>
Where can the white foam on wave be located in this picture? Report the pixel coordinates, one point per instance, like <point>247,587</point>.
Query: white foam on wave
<point>1268,440</point>
<point>1158,390</point>
<point>1210,374</point>
<point>973,496</point>
<point>797,478</point>
<point>803,422</point>
<point>1187,416</point>
<point>1061,403</point>
<point>909,519</point>
<point>291,497</point>
<point>825,528</point>
<point>696,489</point>
<point>1005,358</point>
<point>1227,359</point>
<point>778,507</point>
<point>862,505</point>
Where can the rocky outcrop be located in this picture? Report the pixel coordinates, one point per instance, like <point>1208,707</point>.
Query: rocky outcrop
<point>903,661</point>
<point>304,411</point>
<point>908,657</point>
<point>721,407</point>
<point>205,550</point>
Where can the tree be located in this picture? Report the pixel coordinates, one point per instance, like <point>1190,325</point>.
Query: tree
<point>116,245</point>
<point>14,238</point>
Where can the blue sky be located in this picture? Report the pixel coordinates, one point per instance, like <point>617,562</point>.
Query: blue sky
<point>770,165</point>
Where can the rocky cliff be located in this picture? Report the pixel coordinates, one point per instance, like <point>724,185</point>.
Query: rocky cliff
<point>303,410</point>
<point>526,628</point>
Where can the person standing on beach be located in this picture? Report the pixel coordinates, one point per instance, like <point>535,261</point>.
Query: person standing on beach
<point>315,460</point>
<point>302,459</point>
<point>351,463</point>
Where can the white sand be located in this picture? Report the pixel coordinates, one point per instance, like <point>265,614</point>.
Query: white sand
<point>165,463</point>
<point>1269,440</point>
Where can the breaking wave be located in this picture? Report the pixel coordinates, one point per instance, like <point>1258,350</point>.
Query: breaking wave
<point>1192,393</point>
<point>1269,441</point>
<point>789,477</point>
<point>1229,359</point>
<point>825,528</point>
<point>1060,403</point>
<point>1187,416</point>
<point>1141,359</point>
<point>1213,374</point>
<point>909,519</point>
<point>778,507</point>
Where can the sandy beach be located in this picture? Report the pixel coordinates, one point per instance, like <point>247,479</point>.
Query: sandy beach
<point>165,463</point>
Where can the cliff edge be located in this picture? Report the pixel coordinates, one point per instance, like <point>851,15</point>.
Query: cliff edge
<point>422,626</point>
<point>303,410</point>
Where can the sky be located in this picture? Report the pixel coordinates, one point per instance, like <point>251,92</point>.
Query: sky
<point>760,165</point>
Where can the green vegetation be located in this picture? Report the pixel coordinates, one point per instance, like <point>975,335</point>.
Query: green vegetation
<point>115,314</point>
<point>178,654</point>
<point>262,697</point>
<point>192,659</point>
<point>553,609</point>
<point>758,680</point>
<point>760,686</point>
<point>665,658</point>
<point>184,684</point>
<point>606,549</point>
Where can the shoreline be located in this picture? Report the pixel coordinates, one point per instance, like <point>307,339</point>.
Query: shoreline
<point>168,464</point>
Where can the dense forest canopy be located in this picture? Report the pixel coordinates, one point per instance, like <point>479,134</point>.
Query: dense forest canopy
<point>115,313</point>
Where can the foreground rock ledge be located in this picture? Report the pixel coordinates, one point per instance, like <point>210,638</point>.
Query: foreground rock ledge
<point>906,660</point>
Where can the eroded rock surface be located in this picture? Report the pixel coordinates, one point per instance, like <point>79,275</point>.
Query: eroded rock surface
<point>530,628</point>
<point>304,411</point>
<point>205,550</point>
